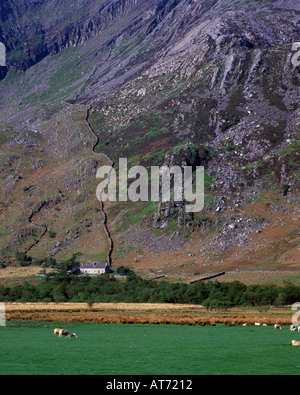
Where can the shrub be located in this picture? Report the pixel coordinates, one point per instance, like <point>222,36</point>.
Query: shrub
<point>23,259</point>
<point>52,234</point>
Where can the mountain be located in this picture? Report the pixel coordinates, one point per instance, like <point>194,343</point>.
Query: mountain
<point>191,83</point>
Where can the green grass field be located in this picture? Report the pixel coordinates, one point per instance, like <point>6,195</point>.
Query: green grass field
<point>111,349</point>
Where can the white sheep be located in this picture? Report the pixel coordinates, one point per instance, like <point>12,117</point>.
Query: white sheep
<point>63,332</point>
<point>277,326</point>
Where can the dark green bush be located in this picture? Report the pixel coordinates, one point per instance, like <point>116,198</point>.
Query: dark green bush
<point>52,234</point>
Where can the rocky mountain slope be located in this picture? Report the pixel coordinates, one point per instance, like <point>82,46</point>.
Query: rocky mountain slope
<point>170,82</point>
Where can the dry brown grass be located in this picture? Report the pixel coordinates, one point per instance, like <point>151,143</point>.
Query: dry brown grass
<point>103,307</point>
<point>22,272</point>
<point>130,313</point>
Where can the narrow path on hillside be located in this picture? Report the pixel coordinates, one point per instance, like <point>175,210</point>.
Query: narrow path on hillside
<point>105,222</point>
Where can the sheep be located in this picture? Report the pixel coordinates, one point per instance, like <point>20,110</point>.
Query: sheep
<point>63,332</point>
<point>257,324</point>
<point>277,326</point>
<point>293,328</point>
<point>72,335</point>
<point>295,343</point>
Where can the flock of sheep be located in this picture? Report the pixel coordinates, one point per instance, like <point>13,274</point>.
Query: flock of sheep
<point>293,328</point>
<point>64,332</point>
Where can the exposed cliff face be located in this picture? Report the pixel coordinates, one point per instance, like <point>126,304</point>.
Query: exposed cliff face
<point>33,30</point>
<point>173,82</point>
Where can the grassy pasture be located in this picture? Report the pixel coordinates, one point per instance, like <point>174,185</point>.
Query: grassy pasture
<point>30,347</point>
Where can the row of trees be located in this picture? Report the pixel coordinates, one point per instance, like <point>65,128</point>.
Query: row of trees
<point>62,287</point>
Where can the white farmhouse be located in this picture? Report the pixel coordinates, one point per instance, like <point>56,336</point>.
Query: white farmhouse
<point>94,269</point>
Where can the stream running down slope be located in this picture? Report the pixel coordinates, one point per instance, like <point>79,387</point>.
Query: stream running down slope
<point>105,221</point>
